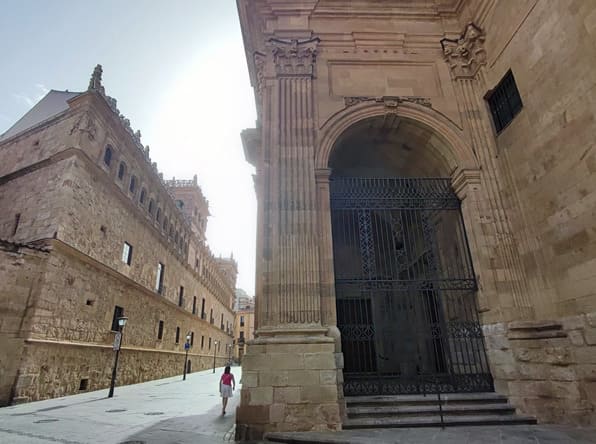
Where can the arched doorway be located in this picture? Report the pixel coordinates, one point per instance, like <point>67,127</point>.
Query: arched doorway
<point>404,281</point>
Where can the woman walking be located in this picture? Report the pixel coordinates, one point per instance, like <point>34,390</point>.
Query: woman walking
<point>226,386</point>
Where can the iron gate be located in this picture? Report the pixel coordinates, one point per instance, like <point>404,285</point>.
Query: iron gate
<point>405,288</point>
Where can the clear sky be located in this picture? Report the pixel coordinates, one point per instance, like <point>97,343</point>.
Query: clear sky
<point>178,71</point>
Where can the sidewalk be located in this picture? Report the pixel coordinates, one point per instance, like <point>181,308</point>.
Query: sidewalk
<point>162,411</point>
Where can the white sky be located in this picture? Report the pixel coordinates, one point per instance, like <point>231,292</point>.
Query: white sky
<point>178,71</point>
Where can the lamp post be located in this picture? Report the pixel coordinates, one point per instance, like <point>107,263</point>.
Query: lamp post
<point>229,347</point>
<point>214,351</point>
<point>117,343</point>
<point>186,347</point>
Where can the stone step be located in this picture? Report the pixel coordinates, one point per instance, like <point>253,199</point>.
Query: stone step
<point>424,409</point>
<point>446,398</point>
<point>435,421</point>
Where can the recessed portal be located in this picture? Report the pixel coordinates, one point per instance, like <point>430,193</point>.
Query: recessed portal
<point>404,281</point>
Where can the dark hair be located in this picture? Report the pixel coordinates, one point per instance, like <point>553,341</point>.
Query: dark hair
<point>227,369</point>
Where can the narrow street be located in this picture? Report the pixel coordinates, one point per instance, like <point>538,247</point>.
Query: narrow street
<point>162,411</point>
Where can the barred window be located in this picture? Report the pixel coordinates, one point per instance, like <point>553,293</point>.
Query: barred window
<point>504,102</point>
<point>107,155</point>
<point>121,170</point>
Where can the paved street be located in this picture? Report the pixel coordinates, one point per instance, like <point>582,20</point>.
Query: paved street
<point>172,411</point>
<point>162,411</point>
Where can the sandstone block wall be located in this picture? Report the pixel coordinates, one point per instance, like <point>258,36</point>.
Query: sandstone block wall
<point>21,271</point>
<point>68,335</point>
<point>548,369</point>
<point>546,154</point>
<point>288,387</point>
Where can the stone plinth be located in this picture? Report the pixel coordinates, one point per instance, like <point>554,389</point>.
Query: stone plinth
<point>289,383</point>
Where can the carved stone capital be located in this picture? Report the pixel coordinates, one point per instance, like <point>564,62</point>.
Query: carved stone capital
<point>464,181</point>
<point>322,175</point>
<point>388,101</point>
<point>294,57</point>
<point>466,54</point>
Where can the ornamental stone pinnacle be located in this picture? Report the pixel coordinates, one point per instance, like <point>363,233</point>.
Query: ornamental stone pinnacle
<point>95,81</point>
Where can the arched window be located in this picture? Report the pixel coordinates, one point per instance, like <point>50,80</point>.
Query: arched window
<point>158,215</point>
<point>107,155</point>
<point>143,194</point>
<point>133,184</point>
<point>151,206</point>
<point>121,170</point>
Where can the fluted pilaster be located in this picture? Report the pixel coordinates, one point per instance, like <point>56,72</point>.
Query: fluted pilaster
<point>466,59</point>
<point>291,287</point>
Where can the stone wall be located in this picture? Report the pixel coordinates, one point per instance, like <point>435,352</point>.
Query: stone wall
<point>68,336</point>
<point>548,369</point>
<point>21,273</point>
<point>32,203</point>
<point>51,370</point>
<point>546,155</point>
<point>108,220</point>
<point>288,385</point>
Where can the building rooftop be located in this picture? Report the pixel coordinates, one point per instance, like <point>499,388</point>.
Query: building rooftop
<point>52,104</point>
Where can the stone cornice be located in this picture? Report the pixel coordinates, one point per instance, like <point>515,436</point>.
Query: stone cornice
<point>465,55</point>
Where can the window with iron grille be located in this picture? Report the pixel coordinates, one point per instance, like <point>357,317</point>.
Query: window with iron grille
<point>177,335</point>
<point>504,102</point>
<point>160,330</point>
<point>194,305</point>
<point>181,297</point>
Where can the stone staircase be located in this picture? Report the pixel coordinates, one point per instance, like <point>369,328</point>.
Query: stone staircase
<point>459,409</point>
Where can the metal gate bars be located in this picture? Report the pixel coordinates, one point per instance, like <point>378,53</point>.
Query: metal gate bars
<point>405,288</point>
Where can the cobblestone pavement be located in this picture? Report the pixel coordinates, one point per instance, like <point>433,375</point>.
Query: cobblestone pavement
<point>163,411</point>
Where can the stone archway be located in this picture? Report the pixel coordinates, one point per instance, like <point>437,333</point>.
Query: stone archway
<point>376,140</point>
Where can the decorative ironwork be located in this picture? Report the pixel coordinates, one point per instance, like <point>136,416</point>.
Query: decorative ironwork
<point>405,288</point>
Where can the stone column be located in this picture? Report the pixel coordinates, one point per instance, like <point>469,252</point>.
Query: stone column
<point>466,58</point>
<point>289,371</point>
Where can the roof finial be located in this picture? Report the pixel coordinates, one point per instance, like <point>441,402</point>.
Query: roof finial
<point>95,81</point>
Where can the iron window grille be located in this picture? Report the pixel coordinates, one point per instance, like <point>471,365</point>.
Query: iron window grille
<point>504,102</point>
<point>160,331</point>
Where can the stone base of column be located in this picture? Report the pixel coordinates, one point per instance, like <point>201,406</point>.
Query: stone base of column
<point>289,383</point>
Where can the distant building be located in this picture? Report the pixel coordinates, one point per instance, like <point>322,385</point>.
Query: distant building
<point>244,322</point>
<point>91,232</point>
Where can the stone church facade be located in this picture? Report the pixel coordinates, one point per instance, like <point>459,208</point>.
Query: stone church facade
<point>426,184</point>
<point>90,231</point>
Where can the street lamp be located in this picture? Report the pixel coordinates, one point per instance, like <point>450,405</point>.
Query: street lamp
<point>186,347</point>
<point>117,343</point>
<point>229,347</point>
<point>214,350</point>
